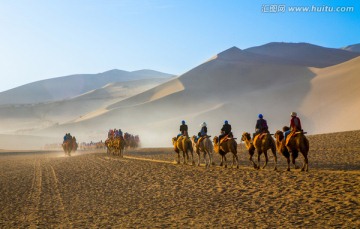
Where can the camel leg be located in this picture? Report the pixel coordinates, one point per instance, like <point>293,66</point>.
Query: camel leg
<point>178,156</point>
<point>222,160</point>
<point>225,161</point>
<point>293,159</point>
<point>306,164</point>
<point>187,157</point>
<point>288,163</point>
<point>237,160</point>
<point>252,161</point>
<point>206,163</point>
<point>258,164</point>
<point>266,159</point>
<point>199,158</point>
<point>273,150</point>
<point>211,159</point>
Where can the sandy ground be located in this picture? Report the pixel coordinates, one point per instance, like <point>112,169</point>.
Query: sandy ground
<point>146,189</point>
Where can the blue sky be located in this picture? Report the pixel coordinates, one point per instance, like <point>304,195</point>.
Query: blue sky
<point>51,38</point>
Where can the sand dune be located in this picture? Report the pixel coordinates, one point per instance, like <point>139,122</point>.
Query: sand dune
<point>244,83</point>
<point>304,54</point>
<point>66,87</point>
<point>352,48</point>
<point>145,189</point>
<point>235,85</point>
<point>25,118</point>
<point>334,99</point>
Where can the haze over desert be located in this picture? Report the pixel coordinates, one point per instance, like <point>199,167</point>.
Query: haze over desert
<point>179,114</point>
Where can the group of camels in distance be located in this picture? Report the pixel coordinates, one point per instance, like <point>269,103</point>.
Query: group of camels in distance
<point>290,149</point>
<point>114,145</point>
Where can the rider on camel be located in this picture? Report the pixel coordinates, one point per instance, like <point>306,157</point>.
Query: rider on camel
<point>261,126</point>
<point>225,130</point>
<point>203,131</point>
<point>183,129</point>
<point>295,125</point>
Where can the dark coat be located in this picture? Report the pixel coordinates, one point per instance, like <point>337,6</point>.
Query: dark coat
<point>261,124</point>
<point>183,128</point>
<point>226,128</point>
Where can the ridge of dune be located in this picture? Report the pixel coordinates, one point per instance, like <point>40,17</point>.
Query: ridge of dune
<point>335,94</point>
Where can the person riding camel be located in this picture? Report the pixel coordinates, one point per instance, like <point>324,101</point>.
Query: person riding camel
<point>183,129</point>
<point>261,126</point>
<point>295,125</point>
<point>67,137</point>
<point>225,130</point>
<point>110,133</point>
<point>202,133</point>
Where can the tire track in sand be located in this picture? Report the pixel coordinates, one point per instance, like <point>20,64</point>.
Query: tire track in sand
<point>33,200</point>
<point>114,175</point>
<point>52,213</point>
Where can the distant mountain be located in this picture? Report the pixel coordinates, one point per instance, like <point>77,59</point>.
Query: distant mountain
<point>304,54</point>
<point>235,85</point>
<point>352,48</point>
<point>24,117</point>
<point>69,86</point>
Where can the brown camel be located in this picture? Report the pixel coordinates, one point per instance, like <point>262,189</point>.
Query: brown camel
<point>262,145</point>
<point>204,146</point>
<point>299,143</point>
<point>67,146</point>
<point>250,147</point>
<point>225,147</point>
<point>183,143</point>
<point>281,148</point>
<point>116,146</point>
<point>74,145</point>
<point>119,146</point>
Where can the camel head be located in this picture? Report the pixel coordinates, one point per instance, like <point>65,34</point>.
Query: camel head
<point>245,137</point>
<point>173,140</point>
<point>279,135</point>
<point>216,140</point>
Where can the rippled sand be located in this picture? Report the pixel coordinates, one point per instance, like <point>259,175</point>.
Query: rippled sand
<point>147,189</point>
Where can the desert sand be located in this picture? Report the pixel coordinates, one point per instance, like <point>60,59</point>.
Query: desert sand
<point>147,189</point>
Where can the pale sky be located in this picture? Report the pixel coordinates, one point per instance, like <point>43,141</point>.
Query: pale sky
<point>41,39</point>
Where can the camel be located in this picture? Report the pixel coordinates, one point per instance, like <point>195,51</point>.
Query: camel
<point>225,147</point>
<point>74,145</point>
<point>281,148</point>
<point>250,147</point>
<point>204,146</point>
<point>119,146</point>
<point>262,146</point>
<point>67,146</point>
<point>183,143</point>
<point>297,143</point>
<point>108,146</point>
<point>116,146</point>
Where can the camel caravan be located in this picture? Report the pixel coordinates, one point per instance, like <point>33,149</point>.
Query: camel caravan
<point>289,142</point>
<point>69,144</point>
<point>116,143</point>
<point>92,146</point>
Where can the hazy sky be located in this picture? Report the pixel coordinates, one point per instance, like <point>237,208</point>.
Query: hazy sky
<point>51,38</point>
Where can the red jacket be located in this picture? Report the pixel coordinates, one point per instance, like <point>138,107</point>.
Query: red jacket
<point>295,123</point>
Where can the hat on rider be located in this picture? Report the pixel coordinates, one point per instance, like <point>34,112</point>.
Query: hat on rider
<point>203,124</point>
<point>226,122</point>
<point>293,114</point>
<point>260,116</point>
<point>183,122</point>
